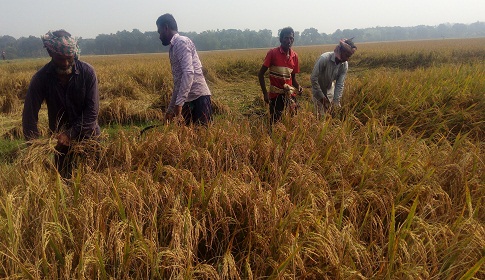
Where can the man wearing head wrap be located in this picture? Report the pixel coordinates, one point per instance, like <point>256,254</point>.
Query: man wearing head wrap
<point>69,87</point>
<point>328,76</point>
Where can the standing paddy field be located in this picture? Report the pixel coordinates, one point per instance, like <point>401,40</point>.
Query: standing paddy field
<point>390,187</point>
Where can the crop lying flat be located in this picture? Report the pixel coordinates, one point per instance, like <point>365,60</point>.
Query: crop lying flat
<point>390,187</point>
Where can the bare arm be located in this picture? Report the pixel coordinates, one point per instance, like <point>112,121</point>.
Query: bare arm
<point>295,83</point>
<point>176,112</point>
<point>262,83</point>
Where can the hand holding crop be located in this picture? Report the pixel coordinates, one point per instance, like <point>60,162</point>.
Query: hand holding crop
<point>63,139</point>
<point>265,97</point>
<point>174,112</point>
<point>334,108</point>
<point>326,102</point>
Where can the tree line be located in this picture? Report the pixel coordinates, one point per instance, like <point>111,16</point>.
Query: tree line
<point>135,41</point>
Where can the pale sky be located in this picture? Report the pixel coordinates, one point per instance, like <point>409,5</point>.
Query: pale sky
<point>89,18</point>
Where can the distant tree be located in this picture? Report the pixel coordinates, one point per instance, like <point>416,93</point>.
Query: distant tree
<point>477,29</point>
<point>140,40</point>
<point>459,29</point>
<point>7,41</point>
<point>107,44</point>
<point>30,47</point>
<point>87,46</point>
<point>137,42</point>
<point>264,38</point>
<point>207,40</point>
<point>231,39</point>
<point>8,44</point>
<point>348,33</point>
<point>443,30</point>
<point>127,42</point>
<point>354,33</point>
<point>420,32</point>
<point>249,38</point>
<point>153,43</point>
<point>390,33</point>
<point>311,36</point>
<point>337,35</point>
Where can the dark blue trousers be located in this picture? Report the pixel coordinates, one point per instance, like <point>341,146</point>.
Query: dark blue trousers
<point>198,111</point>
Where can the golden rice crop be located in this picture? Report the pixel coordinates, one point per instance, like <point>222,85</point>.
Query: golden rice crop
<point>390,187</point>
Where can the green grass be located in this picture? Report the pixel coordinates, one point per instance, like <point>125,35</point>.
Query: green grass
<point>9,150</point>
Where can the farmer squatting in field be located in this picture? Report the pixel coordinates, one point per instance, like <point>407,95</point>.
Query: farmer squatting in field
<point>191,97</point>
<point>282,63</point>
<point>70,89</point>
<point>328,77</point>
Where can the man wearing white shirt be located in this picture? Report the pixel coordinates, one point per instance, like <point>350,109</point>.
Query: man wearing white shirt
<point>191,97</point>
<point>328,76</point>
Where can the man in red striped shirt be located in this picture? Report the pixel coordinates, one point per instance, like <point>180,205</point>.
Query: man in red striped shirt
<point>282,63</point>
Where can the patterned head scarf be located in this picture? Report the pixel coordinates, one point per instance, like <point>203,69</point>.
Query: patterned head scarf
<point>61,42</point>
<point>345,45</point>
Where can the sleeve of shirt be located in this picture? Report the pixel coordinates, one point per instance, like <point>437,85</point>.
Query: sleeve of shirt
<point>183,55</point>
<point>268,59</point>
<point>32,104</point>
<point>87,123</point>
<point>297,65</point>
<point>339,85</point>
<point>319,66</point>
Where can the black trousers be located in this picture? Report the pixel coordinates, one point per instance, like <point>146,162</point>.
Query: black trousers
<point>277,106</point>
<point>198,111</point>
<point>64,161</point>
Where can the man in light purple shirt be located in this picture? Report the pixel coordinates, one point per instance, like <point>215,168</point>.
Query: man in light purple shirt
<point>191,97</point>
